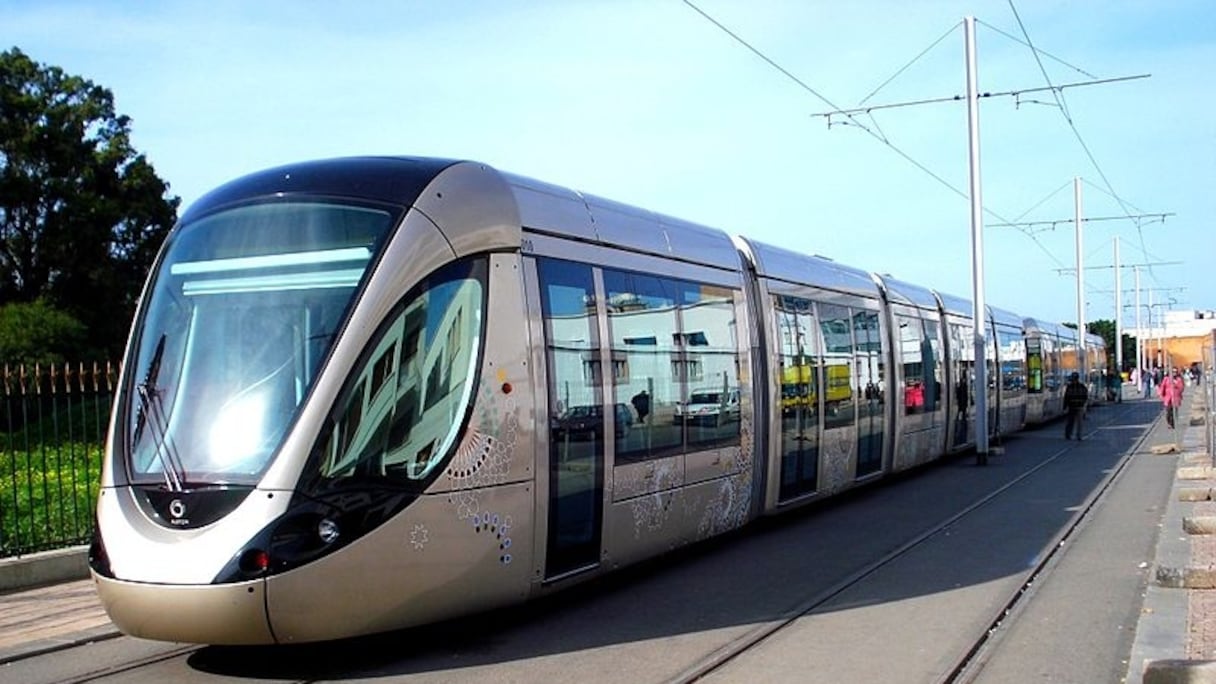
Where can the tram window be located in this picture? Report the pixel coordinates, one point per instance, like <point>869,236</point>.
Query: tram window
<point>383,368</point>
<point>911,339</point>
<point>798,337</point>
<point>838,400</point>
<point>572,347</point>
<point>707,317</point>
<point>644,331</point>
<point>406,428</point>
<point>1013,360</point>
<point>931,360</point>
<point>962,366</point>
<point>569,309</point>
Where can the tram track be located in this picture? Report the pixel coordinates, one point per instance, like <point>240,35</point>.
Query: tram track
<point>968,666</point>
<point>130,666</point>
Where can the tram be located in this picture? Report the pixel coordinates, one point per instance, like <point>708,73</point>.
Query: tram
<point>368,393</point>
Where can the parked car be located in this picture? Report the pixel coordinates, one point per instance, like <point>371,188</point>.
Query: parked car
<point>588,421</point>
<point>709,407</point>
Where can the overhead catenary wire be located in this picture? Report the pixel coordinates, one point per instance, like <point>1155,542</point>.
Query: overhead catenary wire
<point>986,95</point>
<point>1064,186</point>
<point>851,120</point>
<point>1046,54</point>
<point>1076,133</point>
<point>876,132</point>
<point>905,67</point>
<point>1059,97</point>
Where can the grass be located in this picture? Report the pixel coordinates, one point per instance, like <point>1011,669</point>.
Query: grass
<point>49,473</point>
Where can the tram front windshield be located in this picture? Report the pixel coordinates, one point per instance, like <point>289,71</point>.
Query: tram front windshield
<point>243,310</point>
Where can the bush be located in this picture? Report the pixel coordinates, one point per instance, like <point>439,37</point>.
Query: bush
<point>48,496</point>
<point>36,332</point>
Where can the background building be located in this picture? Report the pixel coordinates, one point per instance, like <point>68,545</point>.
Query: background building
<point>1179,338</point>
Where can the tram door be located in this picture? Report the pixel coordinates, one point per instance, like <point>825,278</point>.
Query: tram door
<point>800,370</point>
<point>870,371</point>
<point>576,418</point>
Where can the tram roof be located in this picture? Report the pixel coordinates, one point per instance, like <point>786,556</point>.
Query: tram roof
<point>909,293</point>
<point>953,304</point>
<point>557,210</point>
<point>395,180</point>
<point>816,271</point>
<point>1005,317</point>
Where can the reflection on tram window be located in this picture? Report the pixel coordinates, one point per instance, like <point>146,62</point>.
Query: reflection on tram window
<point>911,337</point>
<point>919,357</point>
<point>871,369</point>
<point>1013,360</point>
<point>834,321</point>
<point>572,345</point>
<point>931,358</point>
<point>645,343</point>
<point>402,416</point>
<point>674,356</point>
<point>798,336</point>
<point>576,418</point>
<point>712,412</point>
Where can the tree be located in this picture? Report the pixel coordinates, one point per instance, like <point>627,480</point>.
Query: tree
<point>81,212</point>
<point>33,332</point>
<point>1106,328</point>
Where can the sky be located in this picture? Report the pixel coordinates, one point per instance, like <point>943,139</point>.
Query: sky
<point>708,110</point>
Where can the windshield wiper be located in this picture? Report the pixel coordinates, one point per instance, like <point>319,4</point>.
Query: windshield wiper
<point>151,410</point>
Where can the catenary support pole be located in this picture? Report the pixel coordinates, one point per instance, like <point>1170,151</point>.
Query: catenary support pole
<point>980,387</point>
<point>1118,319</point>
<point>1081,355</point>
<point>1139,335</point>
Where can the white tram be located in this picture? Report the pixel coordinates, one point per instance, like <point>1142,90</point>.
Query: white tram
<point>363,394</point>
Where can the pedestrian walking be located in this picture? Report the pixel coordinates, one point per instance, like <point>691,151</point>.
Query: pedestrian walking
<point>1170,391</point>
<point>1076,398</point>
<point>641,404</point>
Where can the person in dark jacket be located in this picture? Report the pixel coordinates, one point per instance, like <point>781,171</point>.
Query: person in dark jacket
<point>641,404</point>
<point>1076,398</point>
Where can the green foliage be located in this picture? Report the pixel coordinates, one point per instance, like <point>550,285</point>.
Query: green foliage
<point>1105,328</point>
<point>49,494</point>
<point>81,212</point>
<point>50,470</point>
<point>37,333</point>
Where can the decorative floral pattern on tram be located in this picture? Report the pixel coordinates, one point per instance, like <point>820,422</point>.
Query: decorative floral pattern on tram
<point>729,509</point>
<point>651,511</point>
<point>839,446</point>
<point>419,537</point>
<point>484,459</point>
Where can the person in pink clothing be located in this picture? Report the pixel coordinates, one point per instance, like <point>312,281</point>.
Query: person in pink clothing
<point>1170,391</point>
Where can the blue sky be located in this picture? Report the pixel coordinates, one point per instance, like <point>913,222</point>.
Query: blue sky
<point>649,103</point>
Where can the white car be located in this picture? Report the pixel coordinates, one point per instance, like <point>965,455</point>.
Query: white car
<point>709,407</point>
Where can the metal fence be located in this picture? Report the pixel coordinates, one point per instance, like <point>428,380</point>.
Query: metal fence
<point>53,423</point>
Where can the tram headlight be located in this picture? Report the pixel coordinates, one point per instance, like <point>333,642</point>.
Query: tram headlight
<point>328,531</point>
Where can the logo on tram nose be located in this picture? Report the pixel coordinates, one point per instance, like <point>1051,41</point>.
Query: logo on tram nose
<point>177,508</point>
